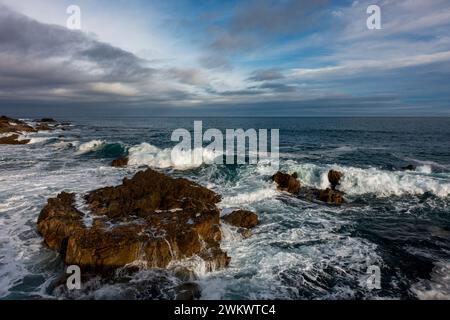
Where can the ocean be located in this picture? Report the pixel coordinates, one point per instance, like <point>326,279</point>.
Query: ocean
<point>393,220</point>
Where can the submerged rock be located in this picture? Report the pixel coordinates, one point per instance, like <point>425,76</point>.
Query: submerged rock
<point>50,120</point>
<point>334,177</point>
<point>120,162</point>
<point>331,196</point>
<point>245,233</point>
<point>409,167</point>
<point>151,218</point>
<point>287,182</point>
<point>242,219</point>
<point>43,127</point>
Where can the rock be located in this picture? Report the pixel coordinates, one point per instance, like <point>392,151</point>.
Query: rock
<point>409,167</point>
<point>43,127</point>
<point>51,120</point>
<point>9,125</point>
<point>331,196</point>
<point>121,162</point>
<point>151,217</point>
<point>188,291</point>
<point>13,139</point>
<point>287,182</point>
<point>242,218</point>
<point>245,233</point>
<point>334,177</point>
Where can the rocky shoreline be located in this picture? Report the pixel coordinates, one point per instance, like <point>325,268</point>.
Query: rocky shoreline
<point>151,220</point>
<point>13,130</point>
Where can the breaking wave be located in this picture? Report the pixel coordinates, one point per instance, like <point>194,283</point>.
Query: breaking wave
<point>382,183</point>
<point>152,156</point>
<point>91,146</point>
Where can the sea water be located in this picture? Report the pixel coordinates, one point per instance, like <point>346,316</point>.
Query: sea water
<point>398,221</point>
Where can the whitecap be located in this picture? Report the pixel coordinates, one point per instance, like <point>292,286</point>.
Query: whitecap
<point>91,146</point>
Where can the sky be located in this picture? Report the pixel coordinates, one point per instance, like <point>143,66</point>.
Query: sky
<point>256,57</point>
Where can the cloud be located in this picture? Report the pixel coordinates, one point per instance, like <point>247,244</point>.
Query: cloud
<point>190,76</point>
<point>255,23</point>
<point>50,62</point>
<point>277,53</point>
<point>266,75</point>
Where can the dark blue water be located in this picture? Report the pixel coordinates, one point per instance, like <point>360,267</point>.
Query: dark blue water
<point>397,221</point>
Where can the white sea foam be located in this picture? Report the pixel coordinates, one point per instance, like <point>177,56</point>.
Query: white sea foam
<point>90,146</point>
<point>65,144</point>
<point>383,183</point>
<point>248,197</point>
<point>152,156</point>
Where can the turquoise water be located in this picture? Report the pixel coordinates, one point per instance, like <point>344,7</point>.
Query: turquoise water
<point>396,220</point>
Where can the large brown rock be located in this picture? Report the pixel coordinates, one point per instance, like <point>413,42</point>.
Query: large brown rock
<point>151,218</point>
<point>334,177</point>
<point>287,182</point>
<point>242,219</point>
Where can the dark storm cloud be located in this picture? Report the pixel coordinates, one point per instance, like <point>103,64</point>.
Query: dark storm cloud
<point>37,57</point>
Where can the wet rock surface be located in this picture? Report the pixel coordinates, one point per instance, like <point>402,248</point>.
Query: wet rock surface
<point>13,139</point>
<point>12,129</point>
<point>10,125</point>
<point>120,162</point>
<point>287,182</point>
<point>329,195</point>
<point>334,177</point>
<point>242,219</point>
<point>151,218</point>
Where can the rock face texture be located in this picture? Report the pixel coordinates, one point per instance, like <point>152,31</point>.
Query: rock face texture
<point>121,162</point>
<point>331,196</point>
<point>287,182</point>
<point>334,177</point>
<point>242,219</point>
<point>150,218</point>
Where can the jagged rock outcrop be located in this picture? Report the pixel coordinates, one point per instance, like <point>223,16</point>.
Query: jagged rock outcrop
<point>11,129</point>
<point>10,125</point>
<point>151,218</point>
<point>287,182</point>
